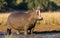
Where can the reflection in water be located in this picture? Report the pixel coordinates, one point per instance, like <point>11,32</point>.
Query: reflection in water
<point>46,35</point>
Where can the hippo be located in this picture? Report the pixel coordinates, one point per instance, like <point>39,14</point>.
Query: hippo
<point>25,21</point>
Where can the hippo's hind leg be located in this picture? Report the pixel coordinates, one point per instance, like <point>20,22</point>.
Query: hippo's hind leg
<point>9,31</point>
<point>25,30</point>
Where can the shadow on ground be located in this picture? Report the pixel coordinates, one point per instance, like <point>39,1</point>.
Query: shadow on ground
<point>46,32</point>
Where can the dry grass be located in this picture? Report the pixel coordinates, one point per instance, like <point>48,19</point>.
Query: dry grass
<point>3,19</point>
<point>51,21</point>
<point>51,18</point>
<point>4,16</point>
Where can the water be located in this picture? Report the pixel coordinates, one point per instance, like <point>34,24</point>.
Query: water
<point>34,35</point>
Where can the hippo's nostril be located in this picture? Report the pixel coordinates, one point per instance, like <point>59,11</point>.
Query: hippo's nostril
<point>41,18</point>
<point>0,23</point>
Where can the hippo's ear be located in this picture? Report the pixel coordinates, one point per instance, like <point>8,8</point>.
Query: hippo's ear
<point>38,13</point>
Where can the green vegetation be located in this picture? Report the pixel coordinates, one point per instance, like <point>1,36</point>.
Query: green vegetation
<point>29,4</point>
<point>3,3</point>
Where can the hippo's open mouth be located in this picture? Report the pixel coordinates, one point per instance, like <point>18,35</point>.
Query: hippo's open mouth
<point>40,18</point>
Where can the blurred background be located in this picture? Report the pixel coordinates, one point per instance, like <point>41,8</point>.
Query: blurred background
<point>46,5</point>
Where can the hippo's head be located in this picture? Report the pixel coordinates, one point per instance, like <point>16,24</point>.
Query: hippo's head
<point>37,14</point>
